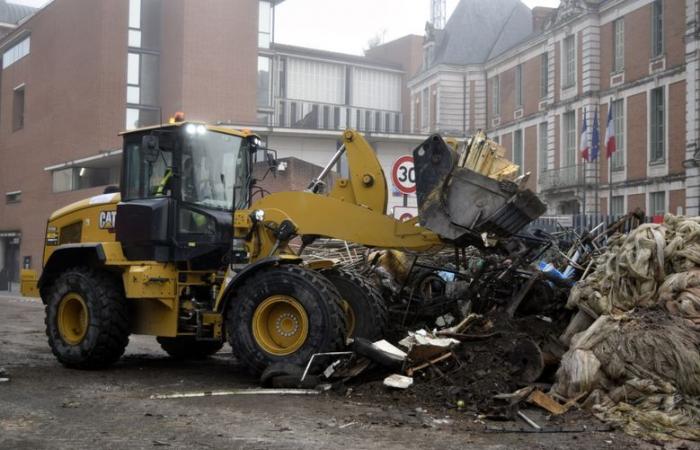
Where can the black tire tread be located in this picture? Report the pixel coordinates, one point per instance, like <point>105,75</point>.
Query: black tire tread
<point>379,314</point>
<point>255,361</point>
<point>112,319</point>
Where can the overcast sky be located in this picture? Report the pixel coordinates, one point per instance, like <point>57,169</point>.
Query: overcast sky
<point>346,26</point>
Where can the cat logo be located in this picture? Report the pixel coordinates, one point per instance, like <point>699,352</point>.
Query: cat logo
<point>107,219</point>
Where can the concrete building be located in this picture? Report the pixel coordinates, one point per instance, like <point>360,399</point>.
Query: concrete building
<point>531,75</point>
<point>74,76</point>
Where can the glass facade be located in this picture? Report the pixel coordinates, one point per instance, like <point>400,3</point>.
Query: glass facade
<point>143,64</point>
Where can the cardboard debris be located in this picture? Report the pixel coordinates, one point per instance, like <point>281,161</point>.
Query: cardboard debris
<point>398,381</point>
<point>544,401</point>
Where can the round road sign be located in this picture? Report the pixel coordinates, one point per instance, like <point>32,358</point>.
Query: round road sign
<point>403,174</point>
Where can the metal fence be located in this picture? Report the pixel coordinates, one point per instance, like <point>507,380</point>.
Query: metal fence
<point>580,223</point>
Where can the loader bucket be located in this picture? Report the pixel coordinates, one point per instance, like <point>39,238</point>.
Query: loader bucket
<point>460,204</point>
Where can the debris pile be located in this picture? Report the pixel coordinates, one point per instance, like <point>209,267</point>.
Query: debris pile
<point>491,329</point>
<point>635,342</point>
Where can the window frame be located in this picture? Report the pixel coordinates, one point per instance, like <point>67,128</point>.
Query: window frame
<point>496,95</point>
<point>542,138</point>
<point>657,29</point>
<point>657,125</point>
<point>519,150</point>
<point>570,156</point>
<point>569,62</point>
<point>613,200</point>
<point>618,50</point>
<point>519,86</point>
<point>618,158</point>
<point>19,50</point>
<point>544,75</point>
<point>654,198</point>
<point>19,109</point>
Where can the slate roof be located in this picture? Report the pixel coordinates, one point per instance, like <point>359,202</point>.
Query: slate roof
<point>479,30</point>
<point>14,13</point>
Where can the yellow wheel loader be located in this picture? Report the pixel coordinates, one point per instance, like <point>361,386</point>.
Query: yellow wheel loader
<point>181,252</point>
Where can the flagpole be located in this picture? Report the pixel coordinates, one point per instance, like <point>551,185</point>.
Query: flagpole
<point>609,184</point>
<point>596,147</point>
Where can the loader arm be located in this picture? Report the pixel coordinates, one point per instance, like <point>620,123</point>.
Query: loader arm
<point>320,215</point>
<point>354,210</point>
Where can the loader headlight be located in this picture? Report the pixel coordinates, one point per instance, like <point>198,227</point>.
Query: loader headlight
<point>259,215</point>
<point>191,128</point>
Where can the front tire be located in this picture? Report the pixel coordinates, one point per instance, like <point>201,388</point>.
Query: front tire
<point>87,320</point>
<point>284,314</point>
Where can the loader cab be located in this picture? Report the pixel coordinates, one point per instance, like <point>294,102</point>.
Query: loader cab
<point>180,185</point>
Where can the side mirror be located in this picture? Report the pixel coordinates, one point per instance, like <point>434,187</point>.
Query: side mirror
<point>271,160</point>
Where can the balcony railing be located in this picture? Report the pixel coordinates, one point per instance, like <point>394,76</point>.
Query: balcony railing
<point>289,113</point>
<point>563,177</point>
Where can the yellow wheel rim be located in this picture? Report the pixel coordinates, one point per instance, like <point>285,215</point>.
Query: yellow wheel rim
<point>280,325</point>
<point>350,316</point>
<point>72,318</point>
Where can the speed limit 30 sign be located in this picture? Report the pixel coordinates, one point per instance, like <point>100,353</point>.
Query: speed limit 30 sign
<point>403,174</point>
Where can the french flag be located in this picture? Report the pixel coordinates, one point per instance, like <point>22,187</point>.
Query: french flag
<point>610,144</point>
<point>584,147</point>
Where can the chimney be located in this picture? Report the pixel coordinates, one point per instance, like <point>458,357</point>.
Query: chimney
<point>540,16</point>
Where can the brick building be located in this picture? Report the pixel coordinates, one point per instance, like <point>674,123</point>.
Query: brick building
<point>75,74</point>
<point>533,73</point>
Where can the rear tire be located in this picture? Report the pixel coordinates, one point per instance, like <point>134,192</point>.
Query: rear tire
<point>87,320</point>
<point>284,314</point>
<point>187,347</point>
<point>367,315</point>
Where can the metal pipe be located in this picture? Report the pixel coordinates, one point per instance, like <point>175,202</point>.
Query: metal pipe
<point>318,180</point>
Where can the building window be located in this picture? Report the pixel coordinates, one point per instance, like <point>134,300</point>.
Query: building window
<point>425,109</point>
<point>657,116</point>
<point>75,178</point>
<point>16,52</point>
<point>618,112</point>
<point>544,74</point>
<point>569,61</point>
<point>144,24</point>
<point>13,197</point>
<point>657,203</point>
<point>518,149</point>
<point>143,73</point>
<point>657,28</point>
<point>618,45</point>
<point>264,81</point>
<point>519,86</point>
<point>264,24</point>
<point>496,95</point>
<point>570,139</point>
<point>18,101</point>
<point>542,145</point>
<point>617,206</point>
